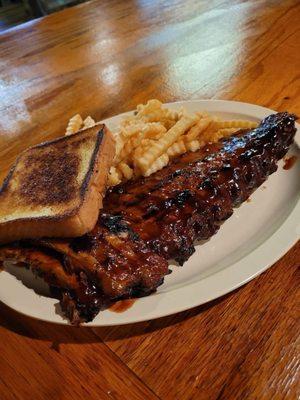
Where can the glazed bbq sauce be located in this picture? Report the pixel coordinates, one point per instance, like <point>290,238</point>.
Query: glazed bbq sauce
<point>150,204</point>
<point>164,200</point>
<point>144,201</point>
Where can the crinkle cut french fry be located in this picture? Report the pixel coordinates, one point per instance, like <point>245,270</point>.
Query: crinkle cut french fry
<point>114,177</point>
<point>131,120</point>
<point>154,111</point>
<point>221,133</point>
<point>225,132</point>
<point>148,108</point>
<point>158,164</point>
<point>155,116</point>
<point>214,136</point>
<point>165,142</point>
<point>132,130</point>
<point>88,122</point>
<point>194,145</point>
<point>196,130</point>
<point>176,149</point>
<point>119,140</point>
<point>126,170</point>
<point>74,124</point>
<point>172,114</point>
<point>153,129</point>
<point>235,123</point>
<point>128,147</point>
<point>137,153</point>
<point>209,134</point>
<point>142,133</point>
<point>203,114</point>
<point>124,151</point>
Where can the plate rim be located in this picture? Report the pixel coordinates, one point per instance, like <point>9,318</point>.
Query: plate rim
<point>237,273</point>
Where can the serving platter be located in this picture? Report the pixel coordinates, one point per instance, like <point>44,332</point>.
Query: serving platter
<point>255,237</point>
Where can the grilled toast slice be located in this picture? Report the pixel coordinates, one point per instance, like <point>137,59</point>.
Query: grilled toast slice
<point>55,189</point>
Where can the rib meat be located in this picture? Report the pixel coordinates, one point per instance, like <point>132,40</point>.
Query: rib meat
<point>191,197</point>
<point>89,273</point>
<point>151,220</point>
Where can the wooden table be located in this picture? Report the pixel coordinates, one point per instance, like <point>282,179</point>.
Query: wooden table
<point>102,58</point>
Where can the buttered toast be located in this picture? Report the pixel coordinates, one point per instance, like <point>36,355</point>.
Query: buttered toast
<point>55,189</point>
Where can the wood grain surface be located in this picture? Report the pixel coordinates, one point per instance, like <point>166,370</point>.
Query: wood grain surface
<point>102,58</point>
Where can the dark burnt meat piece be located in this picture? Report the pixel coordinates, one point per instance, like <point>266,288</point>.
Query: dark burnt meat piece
<point>146,222</point>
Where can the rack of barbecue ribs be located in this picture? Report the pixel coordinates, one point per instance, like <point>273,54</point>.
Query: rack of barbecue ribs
<point>147,222</point>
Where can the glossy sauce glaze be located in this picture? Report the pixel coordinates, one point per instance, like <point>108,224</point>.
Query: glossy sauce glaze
<point>111,263</point>
<point>189,199</point>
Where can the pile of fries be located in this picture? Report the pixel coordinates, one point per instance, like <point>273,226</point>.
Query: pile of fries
<point>147,140</point>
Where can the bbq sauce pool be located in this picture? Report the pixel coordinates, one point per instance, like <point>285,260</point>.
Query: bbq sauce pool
<point>122,305</point>
<point>289,162</point>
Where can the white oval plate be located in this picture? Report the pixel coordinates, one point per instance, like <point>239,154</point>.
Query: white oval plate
<point>255,237</point>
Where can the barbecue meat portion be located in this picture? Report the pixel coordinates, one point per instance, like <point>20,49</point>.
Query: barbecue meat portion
<point>191,197</point>
<point>151,220</point>
<point>89,273</point>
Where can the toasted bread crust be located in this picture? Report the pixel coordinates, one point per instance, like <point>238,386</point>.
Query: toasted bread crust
<point>70,221</point>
